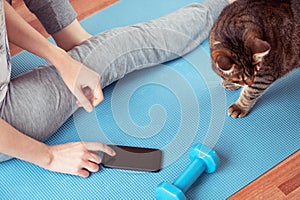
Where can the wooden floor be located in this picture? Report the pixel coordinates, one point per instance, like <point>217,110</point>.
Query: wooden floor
<point>281,182</point>
<point>84,8</point>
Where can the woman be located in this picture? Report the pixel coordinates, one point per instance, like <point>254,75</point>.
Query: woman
<point>34,105</point>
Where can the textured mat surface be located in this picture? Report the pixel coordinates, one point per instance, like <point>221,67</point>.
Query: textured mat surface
<point>169,107</point>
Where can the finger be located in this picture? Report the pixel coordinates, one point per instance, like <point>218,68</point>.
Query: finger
<point>98,146</point>
<point>98,95</point>
<point>91,166</point>
<point>94,157</point>
<point>88,93</point>
<point>78,103</point>
<point>83,173</point>
<point>84,101</point>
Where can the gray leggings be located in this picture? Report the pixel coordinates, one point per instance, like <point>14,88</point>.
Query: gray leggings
<point>38,102</point>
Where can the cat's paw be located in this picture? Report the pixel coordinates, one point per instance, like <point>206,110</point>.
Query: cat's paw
<point>230,86</point>
<point>235,111</point>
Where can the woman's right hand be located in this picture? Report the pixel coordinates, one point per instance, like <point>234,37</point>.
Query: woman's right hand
<point>77,158</point>
<point>82,81</point>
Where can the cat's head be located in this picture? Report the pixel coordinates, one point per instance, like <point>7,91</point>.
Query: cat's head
<point>238,61</point>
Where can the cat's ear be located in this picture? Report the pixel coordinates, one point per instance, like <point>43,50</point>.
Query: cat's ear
<point>222,61</point>
<point>259,48</point>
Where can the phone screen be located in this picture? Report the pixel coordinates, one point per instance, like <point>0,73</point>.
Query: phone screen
<point>134,158</point>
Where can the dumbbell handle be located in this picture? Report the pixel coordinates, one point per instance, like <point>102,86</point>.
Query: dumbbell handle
<point>190,174</point>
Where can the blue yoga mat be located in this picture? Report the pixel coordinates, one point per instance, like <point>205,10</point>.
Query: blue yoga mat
<point>171,107</point>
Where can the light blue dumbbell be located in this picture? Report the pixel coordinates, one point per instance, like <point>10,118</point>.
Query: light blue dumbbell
<point>202,159</point>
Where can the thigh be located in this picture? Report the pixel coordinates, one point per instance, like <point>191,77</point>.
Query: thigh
<point>37,103</point>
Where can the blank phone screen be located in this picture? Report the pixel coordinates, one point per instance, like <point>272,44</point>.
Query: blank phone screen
<point>134,158</point>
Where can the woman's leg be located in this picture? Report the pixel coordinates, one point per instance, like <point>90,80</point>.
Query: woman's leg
<point>38,102</point>
<point>119,51</point>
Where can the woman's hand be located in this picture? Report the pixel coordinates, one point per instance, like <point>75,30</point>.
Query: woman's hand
<point>83,82</point>
<point>78,158</point>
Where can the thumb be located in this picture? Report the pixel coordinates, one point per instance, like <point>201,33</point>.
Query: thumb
<point>98,95</point>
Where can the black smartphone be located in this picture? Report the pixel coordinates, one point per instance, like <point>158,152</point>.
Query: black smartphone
<point>134,158</point>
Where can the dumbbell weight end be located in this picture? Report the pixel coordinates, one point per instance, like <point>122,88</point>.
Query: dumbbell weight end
<point>202,159</point>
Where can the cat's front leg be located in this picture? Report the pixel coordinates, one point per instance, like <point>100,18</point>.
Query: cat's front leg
<point>244,104</point>
<point>249,96</point>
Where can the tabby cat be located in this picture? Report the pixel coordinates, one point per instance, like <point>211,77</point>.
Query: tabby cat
<point>253,43</point>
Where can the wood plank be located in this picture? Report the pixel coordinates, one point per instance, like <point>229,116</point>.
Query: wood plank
<point>84,8</point>
<point>281,182</point>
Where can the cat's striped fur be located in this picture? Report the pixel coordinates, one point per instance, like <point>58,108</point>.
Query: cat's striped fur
<point>253,43</point>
